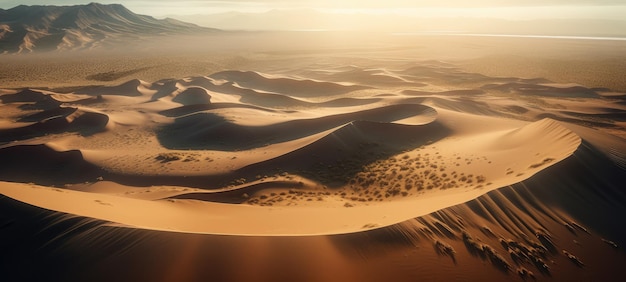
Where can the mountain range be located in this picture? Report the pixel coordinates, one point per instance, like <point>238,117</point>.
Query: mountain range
<point>45,28</point>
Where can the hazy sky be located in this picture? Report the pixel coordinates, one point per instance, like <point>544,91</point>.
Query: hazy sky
<point>515,9</point>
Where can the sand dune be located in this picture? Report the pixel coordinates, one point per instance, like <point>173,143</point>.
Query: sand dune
<point>429,169</point>
<point>374,160</point>
<point>238,137</point>
<point>52,167</point>
<point>228,92</point>
<point>292,87</point>
<point>451,92</point>
<point>194,108</point>
<point>131,88</point>
<point>246,95</point>
<point>26,95</point>
<point>393,207</point>
<point>57,120</point>
<point>544,90</point>
<point>193,96</point>
<point>354,74</point>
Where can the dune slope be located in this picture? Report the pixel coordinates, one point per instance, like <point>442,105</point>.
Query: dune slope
<point>433,170</point>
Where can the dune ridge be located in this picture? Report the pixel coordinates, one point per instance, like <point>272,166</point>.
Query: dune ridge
<point>240,137</point>
<point>304,88</point>
<point>57,121</point>
<point>493,177</point>
<point>336,141</point>
<point>459,226</point>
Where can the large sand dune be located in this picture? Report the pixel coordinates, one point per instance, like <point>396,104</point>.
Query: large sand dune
<point>419,170</point>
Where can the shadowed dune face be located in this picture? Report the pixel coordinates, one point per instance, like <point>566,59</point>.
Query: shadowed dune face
<point>193,96</point>
<point>248,140</point>
<point>374,163</point>
<point>544,90</point>
<point>26,95</point>
<point>131,88</point>
<point>53,167</point>
<point>477,233</point>
<point>197,131</point>
<point>292,87</point>
<point>56,121</point>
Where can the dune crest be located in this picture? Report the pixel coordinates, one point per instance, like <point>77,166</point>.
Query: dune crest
<point>381,169</point>
<point>349,205</point>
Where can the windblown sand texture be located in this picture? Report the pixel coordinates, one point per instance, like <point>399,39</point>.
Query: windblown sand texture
<point>377,170</point>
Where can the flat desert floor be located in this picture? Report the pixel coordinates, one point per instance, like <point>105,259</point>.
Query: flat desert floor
<point>316,156</point>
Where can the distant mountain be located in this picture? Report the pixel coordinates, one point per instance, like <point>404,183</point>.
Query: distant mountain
<point>44,28</point>
<point>311,19</point>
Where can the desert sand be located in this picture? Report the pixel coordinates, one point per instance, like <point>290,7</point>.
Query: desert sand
<point>335,158</point>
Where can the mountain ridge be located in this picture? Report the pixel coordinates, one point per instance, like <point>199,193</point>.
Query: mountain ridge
<point>25,29</point>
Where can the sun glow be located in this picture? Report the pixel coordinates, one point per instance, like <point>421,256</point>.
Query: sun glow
<point>517,13</point>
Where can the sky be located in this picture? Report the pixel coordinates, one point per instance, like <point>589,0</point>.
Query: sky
<point>511,9</point>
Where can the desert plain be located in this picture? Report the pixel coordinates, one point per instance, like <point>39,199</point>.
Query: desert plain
<point>315,156</point>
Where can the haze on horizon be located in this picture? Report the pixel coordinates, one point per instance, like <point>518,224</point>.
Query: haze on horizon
<point>392,15</point>
<point>511,9</point>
